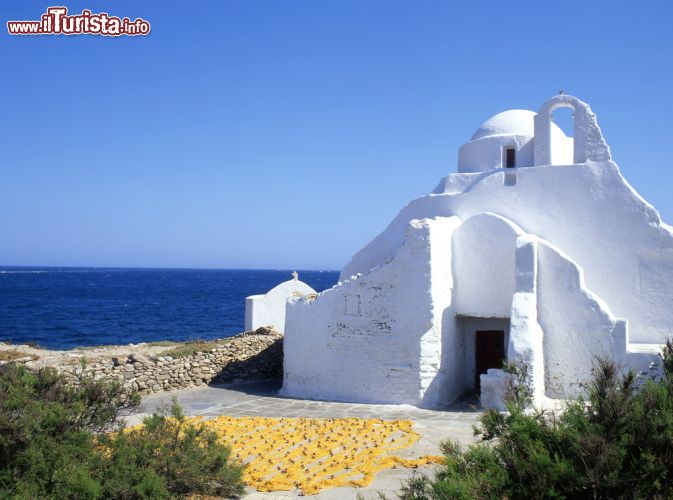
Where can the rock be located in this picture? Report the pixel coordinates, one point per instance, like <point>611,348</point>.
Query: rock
<point>138,358</point>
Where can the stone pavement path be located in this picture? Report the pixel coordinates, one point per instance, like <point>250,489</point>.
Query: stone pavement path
<point>261,400</point>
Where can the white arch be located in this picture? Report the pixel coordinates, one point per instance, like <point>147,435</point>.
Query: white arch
<point>589,144</point>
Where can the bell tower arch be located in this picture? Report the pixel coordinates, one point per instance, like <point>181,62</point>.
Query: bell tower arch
<point>589,144</point>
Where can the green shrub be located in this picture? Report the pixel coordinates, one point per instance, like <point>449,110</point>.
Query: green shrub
<point>170,455</point>
<point>616,443</point>
<point>60,441</point>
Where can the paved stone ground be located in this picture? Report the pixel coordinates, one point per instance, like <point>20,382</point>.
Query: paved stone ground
<point>261,400</point>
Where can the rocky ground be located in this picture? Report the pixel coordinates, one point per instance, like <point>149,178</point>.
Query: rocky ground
<point>256,355</point>
<point>39,357</point>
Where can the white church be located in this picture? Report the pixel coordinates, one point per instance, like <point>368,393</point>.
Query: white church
<point>536,251</point>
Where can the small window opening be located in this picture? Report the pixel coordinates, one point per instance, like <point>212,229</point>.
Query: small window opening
<point>510,157</point>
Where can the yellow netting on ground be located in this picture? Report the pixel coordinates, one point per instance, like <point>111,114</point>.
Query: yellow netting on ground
<point>312,454</point>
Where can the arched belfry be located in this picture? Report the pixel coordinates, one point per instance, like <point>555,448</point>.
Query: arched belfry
<point>589,144</point>
<point>522,138</point>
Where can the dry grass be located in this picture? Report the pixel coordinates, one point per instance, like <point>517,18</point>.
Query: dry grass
<point>158,343</point>
<point>193,347</point>
<point>162,343</point>
<point>12,354</point>
<point>94,347</point>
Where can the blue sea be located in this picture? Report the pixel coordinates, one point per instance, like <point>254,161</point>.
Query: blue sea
<point>62,308</point>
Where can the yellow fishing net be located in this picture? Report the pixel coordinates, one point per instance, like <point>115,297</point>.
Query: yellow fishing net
<point>312,454</point>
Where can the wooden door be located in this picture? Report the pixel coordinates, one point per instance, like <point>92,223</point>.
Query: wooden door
<point>490,352</point>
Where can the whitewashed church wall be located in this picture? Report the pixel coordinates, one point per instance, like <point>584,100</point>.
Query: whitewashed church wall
<point>587,210</point>
<point>364,340</point>
<point>577,324</point>
<point>483,266</point>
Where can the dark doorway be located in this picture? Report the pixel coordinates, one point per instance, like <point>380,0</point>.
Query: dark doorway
<point>510,158</point>
<point>490,352</point>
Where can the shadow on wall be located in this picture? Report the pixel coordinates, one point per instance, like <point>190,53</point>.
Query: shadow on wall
<point>265,365</point>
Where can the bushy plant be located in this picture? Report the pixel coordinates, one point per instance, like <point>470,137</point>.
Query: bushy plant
<point>615,443</point>
<point>170,456</point>
<point>62,441</point>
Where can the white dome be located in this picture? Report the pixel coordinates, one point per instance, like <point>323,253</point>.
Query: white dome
<point>510,129</point>
<point>510,122</point>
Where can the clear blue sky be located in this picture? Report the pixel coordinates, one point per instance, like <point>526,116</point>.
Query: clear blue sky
<point>287,134</point>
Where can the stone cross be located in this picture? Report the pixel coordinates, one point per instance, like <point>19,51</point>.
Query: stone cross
<point>295,275</point>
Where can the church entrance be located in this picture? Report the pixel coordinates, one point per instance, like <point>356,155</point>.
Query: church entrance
<point>489,352</point>
<point>480,344</point>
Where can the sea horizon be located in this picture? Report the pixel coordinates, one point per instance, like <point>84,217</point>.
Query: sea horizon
<point>64,307</point>
<point>38,267</point>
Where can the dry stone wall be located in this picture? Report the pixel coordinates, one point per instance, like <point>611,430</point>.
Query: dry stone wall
<point>250,356</point>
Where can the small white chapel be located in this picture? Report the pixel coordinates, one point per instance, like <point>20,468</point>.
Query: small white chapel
<point>537,251</point>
